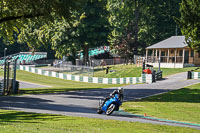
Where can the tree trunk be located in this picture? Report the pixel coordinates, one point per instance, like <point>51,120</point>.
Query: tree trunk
<point>73,57</point>
<point>137,13</point>
<point>10,18</point>
<point>85,54</point>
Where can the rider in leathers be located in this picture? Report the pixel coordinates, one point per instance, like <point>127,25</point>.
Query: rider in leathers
<point>119,91</point>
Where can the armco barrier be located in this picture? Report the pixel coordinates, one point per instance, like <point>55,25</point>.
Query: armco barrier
<point>193,75</point>
<point>145,78</point>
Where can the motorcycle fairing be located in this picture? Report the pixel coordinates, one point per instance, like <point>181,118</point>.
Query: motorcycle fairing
<point>115,100</point>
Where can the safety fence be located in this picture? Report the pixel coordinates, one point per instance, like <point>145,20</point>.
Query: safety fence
<point>105,62</point>
<point>145,78</point>
<point>101,62</point>
<point>74,69</point>
<point>1,87</point>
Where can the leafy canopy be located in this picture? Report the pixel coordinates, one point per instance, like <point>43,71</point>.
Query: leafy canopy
<point>15,13</point>
<point>189,22</point>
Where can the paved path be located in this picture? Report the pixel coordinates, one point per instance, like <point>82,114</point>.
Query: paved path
<point>84,103</point>
<point>169,83</point>
<point>23,84</point>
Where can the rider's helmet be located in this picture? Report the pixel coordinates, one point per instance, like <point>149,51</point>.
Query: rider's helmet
<point>121,90</point>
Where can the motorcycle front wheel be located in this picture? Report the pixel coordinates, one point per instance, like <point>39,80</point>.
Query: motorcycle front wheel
<point>99,111</point>
<point>110,109</point>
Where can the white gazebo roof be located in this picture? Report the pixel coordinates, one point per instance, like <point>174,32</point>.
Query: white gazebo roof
<point>172,42</point>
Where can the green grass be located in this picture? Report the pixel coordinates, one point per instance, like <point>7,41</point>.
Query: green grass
<point>120,71</point>
<point>171,71</point>
<point>60,85</point>
<point>197,69</point>
<point>56,84</point>
<point>180,105</point>
<point>133,71</point>
<point>15,122</point>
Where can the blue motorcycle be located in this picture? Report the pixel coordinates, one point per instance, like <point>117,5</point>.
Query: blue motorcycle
<point>110,105</point>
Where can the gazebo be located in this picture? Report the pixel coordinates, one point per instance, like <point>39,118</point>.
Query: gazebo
<point>173,53</point>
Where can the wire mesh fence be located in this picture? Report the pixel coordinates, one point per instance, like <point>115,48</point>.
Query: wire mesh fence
<point>89,69</point>
<point>67,68</point>
<point>76,70</point>
<point>9,68</point>
<point>105,62</point>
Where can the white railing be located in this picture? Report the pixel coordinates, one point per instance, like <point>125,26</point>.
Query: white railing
<point>165,59</point>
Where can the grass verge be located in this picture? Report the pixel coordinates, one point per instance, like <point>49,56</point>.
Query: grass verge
<point>14,121</point>
<point>180,105</point>
<point>171,71</point>
<point>121,71</point>
<point>57,85</point>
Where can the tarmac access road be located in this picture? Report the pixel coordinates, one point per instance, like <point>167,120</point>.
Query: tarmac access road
<point>84,103</point>
<point>23,84</point>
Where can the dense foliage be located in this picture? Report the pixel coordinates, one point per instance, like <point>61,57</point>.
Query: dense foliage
<point>189,22</point>
<point>140,23</point>
<point>69,27</point>
<point>15,13</point>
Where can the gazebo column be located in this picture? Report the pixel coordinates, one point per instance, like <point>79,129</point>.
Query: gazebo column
<point>156,53</point>
<point>175,55</point>
<point>168,56</point>
<point>153,58</point>
<point>159,54</point>
<point>146,54</point>
<point>153,53</point>
<point>183,55</point>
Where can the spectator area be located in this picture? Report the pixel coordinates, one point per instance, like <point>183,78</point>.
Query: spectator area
<point>26,57</point>
<point>96,51</point>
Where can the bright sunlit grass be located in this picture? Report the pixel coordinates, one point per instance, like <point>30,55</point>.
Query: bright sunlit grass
<point>15,122</point>
<point>181,105</point>
<point>56,84</point>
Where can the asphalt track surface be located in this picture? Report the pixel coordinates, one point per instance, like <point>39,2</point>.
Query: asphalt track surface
<point>23,84</point>
<point>84,103</point>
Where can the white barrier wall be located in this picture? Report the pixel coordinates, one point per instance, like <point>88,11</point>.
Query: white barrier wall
<point>145,78</point>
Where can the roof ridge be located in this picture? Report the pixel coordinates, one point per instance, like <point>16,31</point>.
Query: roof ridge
<point>171,42</point>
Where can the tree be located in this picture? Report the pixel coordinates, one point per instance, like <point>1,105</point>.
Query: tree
<point>33,34</point>
<point>125,19</point>
<point>189,22</point>
<point>58,23</point>
<point>12,48</point>
<point>138,24</point>
<point>57,35</point>
<point>93,28</point>
<point>157,21</point>
<point>14,13</point>
<point>89,28</point>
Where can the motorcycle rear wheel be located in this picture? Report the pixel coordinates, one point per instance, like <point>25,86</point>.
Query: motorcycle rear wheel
<point>110,109</point>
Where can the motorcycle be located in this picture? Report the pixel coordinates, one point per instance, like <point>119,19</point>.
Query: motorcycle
<point>110,105</point>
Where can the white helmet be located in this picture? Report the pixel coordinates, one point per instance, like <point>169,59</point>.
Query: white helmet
<point>121,90</point>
